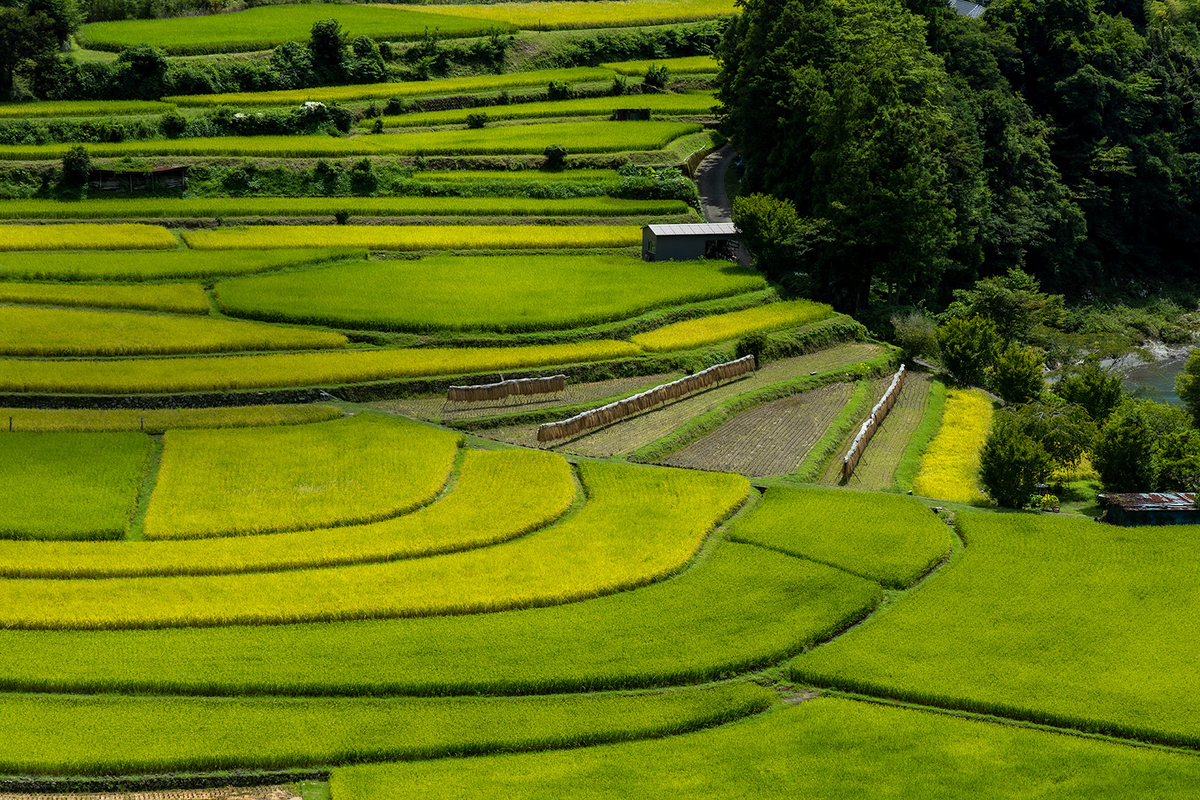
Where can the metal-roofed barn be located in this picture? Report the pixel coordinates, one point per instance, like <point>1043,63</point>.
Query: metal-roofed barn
<point>1151,508</point>
<point>687,242</point>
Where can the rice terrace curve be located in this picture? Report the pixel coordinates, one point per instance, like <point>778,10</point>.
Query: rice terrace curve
<point>358,442</point>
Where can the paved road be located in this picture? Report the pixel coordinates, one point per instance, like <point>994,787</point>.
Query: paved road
<point>710,176</point>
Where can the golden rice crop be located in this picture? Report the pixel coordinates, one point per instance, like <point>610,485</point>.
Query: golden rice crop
<point>534,489</point>
<point>183,298</point>
<point>137,266</point>
<point>950,467</point>
<point>159,420</point>
<point>82,108</point>
<point>382,91</point>
<point>638,525</point>
<point>123,376</point>
<point>556,14</point>
<point>689,65</point>
<point>416,237</point>
<point>723,327</point>
<point>86,237</point>
<point>36,331</point>
<point>256,480</point>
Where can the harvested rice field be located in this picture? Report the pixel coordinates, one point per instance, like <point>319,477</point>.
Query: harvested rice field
<point>769,440</point>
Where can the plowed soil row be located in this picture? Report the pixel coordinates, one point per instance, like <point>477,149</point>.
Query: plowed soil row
<point>628,435</point>
<point>877,468</point>
<point>769,440</point>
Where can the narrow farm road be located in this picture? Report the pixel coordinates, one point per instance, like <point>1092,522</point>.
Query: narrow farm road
<point>710,177</point>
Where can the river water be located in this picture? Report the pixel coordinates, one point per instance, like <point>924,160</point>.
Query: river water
<point>1155,380</point>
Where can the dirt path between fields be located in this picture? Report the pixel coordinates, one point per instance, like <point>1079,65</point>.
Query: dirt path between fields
<point>710,178</point>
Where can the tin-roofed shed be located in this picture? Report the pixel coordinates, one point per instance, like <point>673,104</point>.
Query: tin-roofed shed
<point>1151,508</point>
<point>687,242</point>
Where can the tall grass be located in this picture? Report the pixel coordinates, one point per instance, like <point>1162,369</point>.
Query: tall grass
<point>639,525</point>
<point>173,207</point>
<point>74,332</point>
<point>742,608</point>
<point>70,485</point>
<point>82,108</point>
<point>109,735</point>
<point>182,298</point>
<point>416,237</point>
<point>86,237</point>
<point>258,480</point>
<point>135,266</point>
<point>159,420</point>
<point>502,293</point>
<point>723,327</point>
<point>267,26</point>
<point>382,91</point>
<point>885,538</point>
<point>537,489</point>
<point>688,65</point>
<point>949,469</point>
<point>692,103</point>
<point>184,374</point>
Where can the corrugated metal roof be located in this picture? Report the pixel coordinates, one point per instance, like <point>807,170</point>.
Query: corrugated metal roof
<point>698,229</point>
<point>1153,501</point>
<point>967,8</point>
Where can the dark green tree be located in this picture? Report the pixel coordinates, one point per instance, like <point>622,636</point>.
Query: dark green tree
<point>969,347</point>
<point>76,166</point>
<point>1188,386</point>
<point>1094,388</point>
<point>1064,431</point>
<point>916,335</point>
<point>1017,374</point>
<point>1177,461</point>
<point>30,35</point>
<point>1014,302</point>
<point>1123,451</point>
<point>327,50</point>
<point>141,72</point>
<point>1012,463</point>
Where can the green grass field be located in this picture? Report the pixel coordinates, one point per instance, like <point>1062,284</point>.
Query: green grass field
<point>258,480</point>
<point>182,374</point>
<point>35,331</point>
<point>382,91</point>
<point>826,748</point>
<point>668,104</point>
<point>416,237</point>
<point>537,489</point>
<point>85,237</point>
<point>885,538</point>
<point>159,420</point>
<point>129,735</point>
<point>503,293</point>
<point>723,327</point>
<point>70,485</point>
<point>182,298</point>
<point>1042,618</point>
<point>740,608</point>
<point>206,207</point>
<point>639,525</point>
<point>174,264</point>
<point>264,27</point>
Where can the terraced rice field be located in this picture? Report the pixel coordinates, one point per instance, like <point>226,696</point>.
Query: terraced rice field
<point>159,420</point>
<point>181,298</point>
<point>769,440</point>
<point>173,264</point>
<point>630,434</point>
<point>949,470</point>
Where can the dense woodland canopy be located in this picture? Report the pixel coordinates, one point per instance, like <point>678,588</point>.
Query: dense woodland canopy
<point>923,150</point>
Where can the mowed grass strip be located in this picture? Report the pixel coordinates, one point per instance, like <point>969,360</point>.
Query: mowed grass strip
<point>107,735</point>
<point>537,488</point>
<point>949,470</point>
<point>159,420</point>
<point>1043,618</point>
<point>669,104</point>
<point>205,207</point>
<point>823,748</point>
<point>688,65</point>
<point>416,237</point>
<point>586,136</point>
<point>501,293</point>
<point>70,485</point>
<point>181,298</point>
<point>257,480</point>
<point>723,327</point>
<point>86,237</point>
<point>37,331</point>
<point>267,26</point>
<point>473,84</point>
<point>125,376</point>
<point>82,108</point>
<point>890,539</point>
<point>597,14</point>
<point>137,266</point>
<point>742,608</point>
<point>639,524</point>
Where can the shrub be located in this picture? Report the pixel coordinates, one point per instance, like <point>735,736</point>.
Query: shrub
<point>363,179</point>
<point>76,166</point>
<point>395,105</point>
<point>341,217</point>
<point>1012,463</point>
<point>969,347</point>
<point>619,86</point>
<point>657,76</point>
<point>1017,375</point>
<point>477,120</point>
<point>556,156</point>
<point>752,344</point>
<point>172,124</point>
<point>1123,451</point>
<point>385,51</point>
<point>916,335</point>
<point>378,126</point>
<point>559,90</point>
<point>1096,390</point>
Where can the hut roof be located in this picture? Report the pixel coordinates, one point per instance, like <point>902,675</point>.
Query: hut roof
<point>1152,501</point>
<point>698,229</point>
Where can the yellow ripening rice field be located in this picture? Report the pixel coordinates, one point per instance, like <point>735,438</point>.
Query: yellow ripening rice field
<point>181,298</point>
<point>159,420</point>
<point>950,467</point>
<point>639,525</point>
<point>415,237</point>
<point>257,480</point>
<point>86,236</point>
<point>723,327</point>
